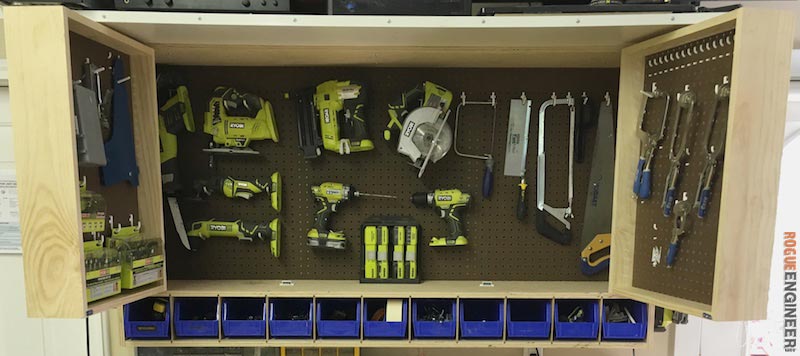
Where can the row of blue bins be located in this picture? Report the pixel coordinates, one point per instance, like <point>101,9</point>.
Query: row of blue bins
<point>342,318</point>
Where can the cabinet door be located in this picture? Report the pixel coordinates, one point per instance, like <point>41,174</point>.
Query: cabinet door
<point>721,270</point>
<point>40,44</point>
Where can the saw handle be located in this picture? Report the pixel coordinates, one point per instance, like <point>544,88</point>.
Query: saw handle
<point>253,230</point>
<point>355,127</point>
<point>522,207</point>
<point>488,177</point>
<point>549,231</point>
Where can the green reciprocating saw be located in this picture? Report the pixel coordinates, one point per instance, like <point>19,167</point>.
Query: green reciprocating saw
<point>236,119</point>
<point>330,195</point>
<point>332,116</point>
<point>240,230</point>
<point>451,204</point>
<point>174,118</point>
<point>238,188</point>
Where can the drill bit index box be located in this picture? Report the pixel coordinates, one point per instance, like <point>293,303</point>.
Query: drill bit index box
<point>142,261</point>
<point>102,271</point>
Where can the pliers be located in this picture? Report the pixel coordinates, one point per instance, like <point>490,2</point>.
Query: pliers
<point>681,127</point>
<point>649,142</point>
<point>714,150</point>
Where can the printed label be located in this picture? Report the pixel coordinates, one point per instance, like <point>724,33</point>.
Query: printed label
<point>409,129</point>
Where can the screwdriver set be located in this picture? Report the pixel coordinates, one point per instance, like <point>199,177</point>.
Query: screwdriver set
<point>390,253</point>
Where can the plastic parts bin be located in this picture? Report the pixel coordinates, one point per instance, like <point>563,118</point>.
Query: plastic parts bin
<point>376,329</point>
<point>585,329</point>
<point>338,318</point>
<point>142,322</point>
<point>196,317</point>
<point>290,318</point>
<point>444,312</point>
<point>481,318</point>
<point>529,318</point>
<point>244,317</point>
<point>626,331</point>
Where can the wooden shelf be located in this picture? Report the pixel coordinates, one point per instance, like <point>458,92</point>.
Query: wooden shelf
<point>127,296</point>
<point>354,289</point>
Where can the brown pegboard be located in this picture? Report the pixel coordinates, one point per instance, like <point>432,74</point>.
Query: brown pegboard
<point>121,198</point>
<point>501,248</point>
<point>701,64</point>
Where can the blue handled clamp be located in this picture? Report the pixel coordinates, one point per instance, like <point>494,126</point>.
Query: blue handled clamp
<point>649,142</point>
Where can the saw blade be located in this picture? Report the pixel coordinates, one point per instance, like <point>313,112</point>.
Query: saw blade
<point>177,219</point>
<point>519,123</point>
<point>597,218</point>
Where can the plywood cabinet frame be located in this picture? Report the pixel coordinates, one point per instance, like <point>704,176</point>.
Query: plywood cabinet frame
<point>39,63</point>
<point>47,169</point>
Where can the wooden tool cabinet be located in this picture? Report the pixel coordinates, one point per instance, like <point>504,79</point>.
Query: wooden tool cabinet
<point>39,47</point>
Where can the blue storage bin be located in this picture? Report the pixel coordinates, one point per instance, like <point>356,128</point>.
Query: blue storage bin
<point>582,330</point>
<point>626,331</point>
<point>141,322</point>
<point>430,329</point>
<point>244,317</point>
<point>529,319</point>
<point>481,318</point>
<point>290,317</point>
<point>376,329</point>
<point>338,318</point>
<point>196,317</point>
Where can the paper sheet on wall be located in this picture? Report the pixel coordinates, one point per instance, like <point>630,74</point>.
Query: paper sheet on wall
<point>9,213</point>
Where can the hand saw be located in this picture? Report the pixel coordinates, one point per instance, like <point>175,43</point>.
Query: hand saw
<point>597,217</point>
<point>519,123</point>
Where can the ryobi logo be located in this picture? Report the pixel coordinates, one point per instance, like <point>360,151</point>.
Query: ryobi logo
<point>445,198</point>
<point>333,192</point>
<point>326,115</point>
<point>236,125</point>
<point>409,129</point>
<point>217,227</point>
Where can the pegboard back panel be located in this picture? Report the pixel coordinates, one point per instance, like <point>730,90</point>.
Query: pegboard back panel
<point>500,248</point>
<point>700,65</point>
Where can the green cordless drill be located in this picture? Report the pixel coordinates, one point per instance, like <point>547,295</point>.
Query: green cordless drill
<point>330,195</point>
<point>451,204</point>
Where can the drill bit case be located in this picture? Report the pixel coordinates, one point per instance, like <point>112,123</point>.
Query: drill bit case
<point>141,257</point>
<point>390,250</point>
<point>103,271</point>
